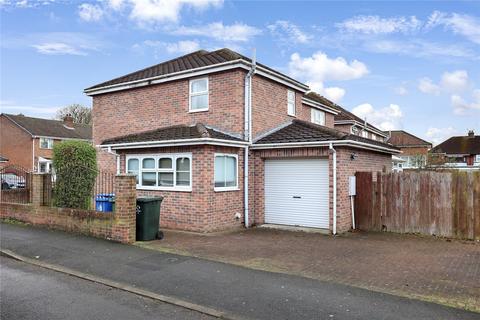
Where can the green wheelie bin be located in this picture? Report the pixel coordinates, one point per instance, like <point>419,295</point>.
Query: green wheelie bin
<point>148,219</point>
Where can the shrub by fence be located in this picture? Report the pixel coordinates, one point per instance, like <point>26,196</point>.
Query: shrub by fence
<point>427,202</point>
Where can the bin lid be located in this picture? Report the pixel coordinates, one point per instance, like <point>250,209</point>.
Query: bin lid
<point>149,199</point>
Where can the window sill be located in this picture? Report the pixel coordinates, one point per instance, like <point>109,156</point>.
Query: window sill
<point>291,115</point>
<point>188,189</point>
<point>226,189</point>
<point>198,110</point>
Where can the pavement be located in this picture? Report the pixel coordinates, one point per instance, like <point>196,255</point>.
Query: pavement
<point>238,291</point>
<point>427,268</point>
<point>31,292</point>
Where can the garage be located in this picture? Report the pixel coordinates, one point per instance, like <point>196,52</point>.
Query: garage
<point>296,192</point>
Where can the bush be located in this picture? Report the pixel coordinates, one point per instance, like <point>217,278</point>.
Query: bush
<point>75,164</point>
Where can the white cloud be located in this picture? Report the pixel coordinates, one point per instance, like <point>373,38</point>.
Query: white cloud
<point>426,85</point>
<point>401,90</point>
<point>378,25</point>
<point>58,48</point>
<point>438,135</point>
<point>462,107</point>
<point>289,33</point>
<point>90,12</point>
<point>388,118</point>
<point>455,81</point>
<point>463,24</point>
<point>217,30</point>
<point>319,67</point>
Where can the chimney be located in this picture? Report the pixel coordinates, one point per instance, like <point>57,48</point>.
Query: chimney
<point>471,134</point>
<point>68,121</point>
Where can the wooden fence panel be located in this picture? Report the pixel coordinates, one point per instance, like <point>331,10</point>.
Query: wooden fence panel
<point>435,203</point>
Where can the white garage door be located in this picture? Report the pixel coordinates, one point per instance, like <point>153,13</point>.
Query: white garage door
<point>296,192</point>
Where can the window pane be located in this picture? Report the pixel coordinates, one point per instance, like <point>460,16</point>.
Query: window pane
<point>165,163</point>
<point>132,164</point>
<point>291,108</point>
<point>231,174</point>
<point>148,163</point>
<point>198,85</point>
<point>199,102</point>
<point>183,178</point>
<point>165,179</point>
<point>183,164</point>
<point>219,171</point>
<point>149,178</point>
<point>291,96</point>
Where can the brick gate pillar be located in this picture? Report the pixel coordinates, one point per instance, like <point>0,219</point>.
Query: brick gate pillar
<point>123,229</point>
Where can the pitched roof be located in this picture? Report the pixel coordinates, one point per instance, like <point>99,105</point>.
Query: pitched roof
<point>459,145</point>
<point>401,138</point>
<point>320,99</point>
<point>51,128</point>
<point>303,131</point>
<point>179,132</point>
<point>346,115</point>
<point>191,61</point>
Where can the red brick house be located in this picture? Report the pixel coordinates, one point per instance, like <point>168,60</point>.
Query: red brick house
<point>459,151</point>
<point>414,149</point>
<point>230,143</point>
<point>27,142</point>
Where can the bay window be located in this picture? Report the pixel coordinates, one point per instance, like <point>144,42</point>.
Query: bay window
<point>198,95</point>
<point>226,174</point>
<point>318,116</point>
<point>162,171</point>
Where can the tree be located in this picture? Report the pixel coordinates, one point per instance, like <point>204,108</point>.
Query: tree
<point>80,114</point>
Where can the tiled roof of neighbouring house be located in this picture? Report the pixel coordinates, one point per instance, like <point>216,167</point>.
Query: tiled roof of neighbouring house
<point>346,115</point>
<point>180,132</point>
<point>320,99</point>
<point>51,128</point>
<point>459,145</point>
<point>191,61</point>
<point>402,138</point>
<point>302,131</point>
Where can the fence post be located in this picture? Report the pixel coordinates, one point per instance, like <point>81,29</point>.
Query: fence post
<point>125,208</point>
<point>37,189</point>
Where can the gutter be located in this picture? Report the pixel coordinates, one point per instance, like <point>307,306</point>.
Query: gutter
<point>169,143</point>
<point>319,105</point>
<point>346,143</point>
<point>334,160</point>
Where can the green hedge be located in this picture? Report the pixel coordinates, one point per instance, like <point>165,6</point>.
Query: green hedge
<point>75,164</point>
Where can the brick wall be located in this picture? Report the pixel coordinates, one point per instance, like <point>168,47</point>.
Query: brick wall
<point>201,209</point>
<point>15,144</point>
<point>364,161</point>
<point>118,226</point>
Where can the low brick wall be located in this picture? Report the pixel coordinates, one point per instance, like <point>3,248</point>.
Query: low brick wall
<point>118,226</point>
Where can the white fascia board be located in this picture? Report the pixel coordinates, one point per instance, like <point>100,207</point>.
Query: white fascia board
<point>171,143</point>
<point>378,132</point>
<point>239,63</point>
<point>320,106</point>
<point>59,138</point>
<point>341,143</point>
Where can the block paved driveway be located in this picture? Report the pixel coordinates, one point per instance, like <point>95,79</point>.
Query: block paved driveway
<point>427,268</point>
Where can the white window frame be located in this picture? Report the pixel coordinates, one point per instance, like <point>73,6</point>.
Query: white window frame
<point>312,114</point>
<point>289,101</point>
<point>232,188</point>
<point>374,136</point>
<point>49,143</point>
<point>156,157</point>
<point>365,134</point>
<point>191,95</point>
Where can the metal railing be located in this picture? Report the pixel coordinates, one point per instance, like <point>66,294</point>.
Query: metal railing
<point>16,184</point>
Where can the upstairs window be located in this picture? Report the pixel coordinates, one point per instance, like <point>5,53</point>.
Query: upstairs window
<point>291,103</point>
<point>46,143</point>
<point>318,117</point>
<point>364,134</point>
<point>374,136</point>
<point>198,95</point>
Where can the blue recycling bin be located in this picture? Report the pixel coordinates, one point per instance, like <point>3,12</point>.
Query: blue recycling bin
<point>104,202</point>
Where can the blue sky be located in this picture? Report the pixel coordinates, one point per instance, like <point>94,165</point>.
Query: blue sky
<point>408,65</point>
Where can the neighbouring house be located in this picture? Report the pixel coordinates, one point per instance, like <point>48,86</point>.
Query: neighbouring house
<point>458,152</point>
<point>397,163</point>
<point>3,159</point>
<point>27,142</point>
<point>229,142</point>
<point>414,149</point>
